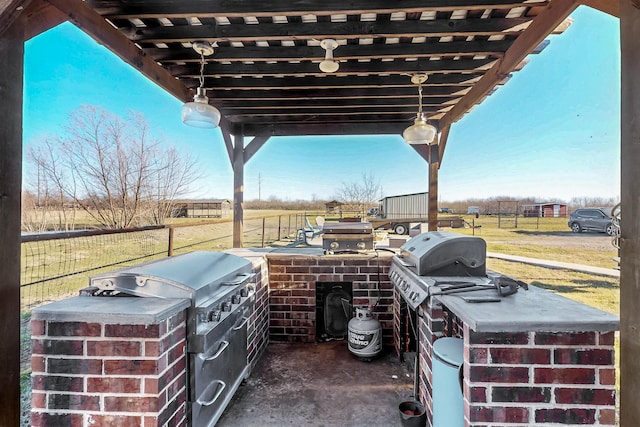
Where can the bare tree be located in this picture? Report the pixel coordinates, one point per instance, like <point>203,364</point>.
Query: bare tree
<point>361,195</point>
<point>113,169</point>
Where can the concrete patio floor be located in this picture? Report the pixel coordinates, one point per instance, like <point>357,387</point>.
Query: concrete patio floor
<point>320,385</point>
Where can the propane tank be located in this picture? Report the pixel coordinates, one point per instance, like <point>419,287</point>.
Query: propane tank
<point>365,334</point>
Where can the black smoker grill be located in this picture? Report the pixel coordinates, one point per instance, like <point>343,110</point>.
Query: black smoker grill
<point>347,236</point>
<point>424,258</point>
<point>221,291</point>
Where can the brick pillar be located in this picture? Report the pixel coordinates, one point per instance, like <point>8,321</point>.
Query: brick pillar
<point>123,373</point>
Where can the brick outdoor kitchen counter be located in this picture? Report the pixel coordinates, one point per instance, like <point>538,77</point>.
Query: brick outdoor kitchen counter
<point>534,358</point>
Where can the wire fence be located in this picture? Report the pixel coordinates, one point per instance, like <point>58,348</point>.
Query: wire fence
<point>55,266</point>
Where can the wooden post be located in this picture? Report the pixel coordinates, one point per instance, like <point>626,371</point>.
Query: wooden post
<point>238,189</point>
<point>435,154</point>
<point>433,195</point>
<point>630,202</point>
<point>11,85</point>
<point>170,250</point>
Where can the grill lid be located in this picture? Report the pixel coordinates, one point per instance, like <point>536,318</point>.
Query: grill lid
<point>443,253</point>
<point>197,276</point>
<point>347,227</point>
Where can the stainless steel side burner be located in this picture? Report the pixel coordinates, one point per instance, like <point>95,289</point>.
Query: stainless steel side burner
<point>221,289</point>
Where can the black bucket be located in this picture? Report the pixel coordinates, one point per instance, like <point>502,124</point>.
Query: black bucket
<point>412,414</point>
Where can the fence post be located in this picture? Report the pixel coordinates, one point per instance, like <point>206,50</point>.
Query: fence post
<point>279,224</point>
<point>170,250</point>
<point>263,232</point>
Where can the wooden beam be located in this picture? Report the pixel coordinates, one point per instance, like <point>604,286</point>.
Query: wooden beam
<point>259,8</point>
<point>612,7</point>
<point>41,16</point>
<point>546,21</point>
<point>321,30</point>
<point>297,129</point>
<point>253,146</point>
<point>104,33</point>
<point>344,52</point>
<point>331,82</point>
<point>630,202</point>
<point>238,190</point>
<point>422,150</point>
<point>442,143</point>
<point>225,127</point>
<point>335,102</point>
<point>214,69</point>
<point>342,94</point>
<point>10,10</point>
<point>11,87</point>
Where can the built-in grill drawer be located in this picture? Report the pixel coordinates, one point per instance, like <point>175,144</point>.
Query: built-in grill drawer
<point>217,373</point>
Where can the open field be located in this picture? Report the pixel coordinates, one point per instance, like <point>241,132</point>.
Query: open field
<point>548,238</point>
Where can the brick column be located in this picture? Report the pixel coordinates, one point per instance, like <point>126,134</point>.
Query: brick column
<point>123,373</point>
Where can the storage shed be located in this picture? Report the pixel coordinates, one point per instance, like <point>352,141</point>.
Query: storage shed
<point>333,206</point>
<point>545,210</point>
<point>212,208</point>
<point>405,206</point>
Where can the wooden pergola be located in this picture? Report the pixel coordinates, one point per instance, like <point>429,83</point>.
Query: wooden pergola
<point>265,79</point>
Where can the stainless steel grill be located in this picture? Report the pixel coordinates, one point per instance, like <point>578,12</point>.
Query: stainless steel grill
<point>424,259</point>
<point>347,236</point>
<point>221,291</point>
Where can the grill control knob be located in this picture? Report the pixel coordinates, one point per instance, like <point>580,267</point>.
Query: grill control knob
<point>235,299</point>
<point>226,306</point>
<point>214,316</point>
<point>244,293</point>
<point>415,296</point>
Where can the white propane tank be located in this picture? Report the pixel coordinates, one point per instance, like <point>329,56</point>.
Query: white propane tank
<point>365,334</point>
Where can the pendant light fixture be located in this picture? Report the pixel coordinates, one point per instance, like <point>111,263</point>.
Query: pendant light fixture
<point>420,132</point>
<point>199,113</point>
<point>329,65</point>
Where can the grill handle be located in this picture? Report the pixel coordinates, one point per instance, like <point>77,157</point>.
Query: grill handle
<point>404,263</point>
<point>223,385</point>
<point>241,325</point>
<point>223,347</point>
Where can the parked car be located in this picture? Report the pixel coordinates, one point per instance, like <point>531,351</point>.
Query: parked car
<point>592,219</point>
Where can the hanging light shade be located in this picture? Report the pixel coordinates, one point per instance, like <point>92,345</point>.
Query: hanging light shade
<point>329,65</point>
<point>199,113</point>
<point>420,132</point>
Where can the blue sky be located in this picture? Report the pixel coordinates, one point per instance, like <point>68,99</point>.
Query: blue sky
<point>552,132</point>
